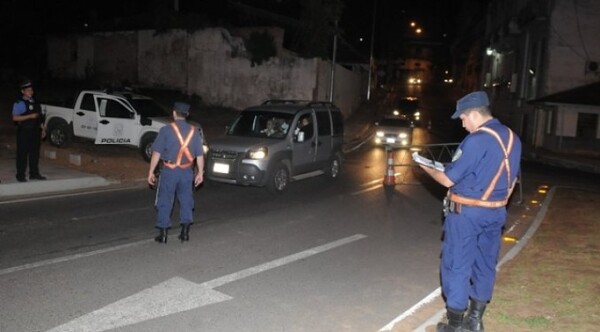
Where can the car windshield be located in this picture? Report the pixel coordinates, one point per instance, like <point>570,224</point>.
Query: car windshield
<point>148,108</point>
<point>389,122</point>
<point>408,104</point>
<point>261,124</point>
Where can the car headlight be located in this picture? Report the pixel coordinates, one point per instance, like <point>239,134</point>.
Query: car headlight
<point>403,135</point>
<point>260,153</point>
<point>379,134</point>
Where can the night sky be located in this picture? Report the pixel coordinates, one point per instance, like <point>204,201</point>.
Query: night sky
<point>27,22</point>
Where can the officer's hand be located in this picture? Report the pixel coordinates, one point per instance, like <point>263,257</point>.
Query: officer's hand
<point>33,115</point>
<point>198,179</point>
<point>151,179</point>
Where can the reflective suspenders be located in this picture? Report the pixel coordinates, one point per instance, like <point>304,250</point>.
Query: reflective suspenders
<point>183,149</point>
<point>504,165</point>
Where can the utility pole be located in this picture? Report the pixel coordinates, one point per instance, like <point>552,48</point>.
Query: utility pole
<point>371,59</point>
<point>332,78</point>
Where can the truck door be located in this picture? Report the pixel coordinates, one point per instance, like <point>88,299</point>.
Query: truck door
<point>304,149</point>
<point>116,122</point>
<point>323,141</point>
<point>85,120</point>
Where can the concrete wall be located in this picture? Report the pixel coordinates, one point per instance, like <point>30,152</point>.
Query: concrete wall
<point>210,63</point>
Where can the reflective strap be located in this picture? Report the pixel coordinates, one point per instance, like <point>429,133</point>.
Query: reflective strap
<point>504,165</point>
<point>476,202</point>
<point>183,149</point>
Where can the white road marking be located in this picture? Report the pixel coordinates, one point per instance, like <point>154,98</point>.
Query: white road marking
<point>71,257</point>
<point>281,261</point>
<point>367,190</point>
<point>167,298</point>
<point>59,195</point>
<point>412,310</point>
<point>177,295</point>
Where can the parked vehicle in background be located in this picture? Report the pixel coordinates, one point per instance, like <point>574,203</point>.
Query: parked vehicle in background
<point>393,131</point>
<point>278,142</point>
<point>108,117</point>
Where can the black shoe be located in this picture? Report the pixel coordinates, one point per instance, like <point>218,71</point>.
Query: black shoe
<point>185,233</point>
<point>21,179</point>
<point>162,236</point>
<point>37,177</point>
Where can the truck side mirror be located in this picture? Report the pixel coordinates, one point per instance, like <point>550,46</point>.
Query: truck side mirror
<point>145,121</point>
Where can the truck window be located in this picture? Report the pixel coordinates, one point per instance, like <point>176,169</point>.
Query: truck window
<point>323,123</point>
<point>87,103</point>
<point>338,122</point>
<point>113,109</point>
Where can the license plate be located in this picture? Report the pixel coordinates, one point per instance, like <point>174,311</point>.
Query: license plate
<point>390,140</point>
<point>221,168</point>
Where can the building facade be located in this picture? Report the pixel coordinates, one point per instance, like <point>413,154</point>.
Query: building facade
<point>534,51</point>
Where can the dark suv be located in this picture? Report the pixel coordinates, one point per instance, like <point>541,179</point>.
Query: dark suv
<point>277,142</point>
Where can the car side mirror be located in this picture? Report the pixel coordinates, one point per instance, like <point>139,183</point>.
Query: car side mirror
<point>145,121</point>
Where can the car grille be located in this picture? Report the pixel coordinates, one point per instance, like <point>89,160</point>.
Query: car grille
<point>223,154</point>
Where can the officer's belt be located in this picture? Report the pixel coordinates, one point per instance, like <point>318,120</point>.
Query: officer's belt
<point>476,202</point>
<point>173,165</point>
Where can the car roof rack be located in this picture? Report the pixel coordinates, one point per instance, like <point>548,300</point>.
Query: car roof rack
<point>284,101</point>
<point>307,103</point>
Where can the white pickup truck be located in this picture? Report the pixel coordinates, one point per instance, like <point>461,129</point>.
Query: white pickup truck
<point>123,118</point>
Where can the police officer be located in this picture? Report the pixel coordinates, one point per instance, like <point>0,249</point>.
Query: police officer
<point>27,115</point>
<point>480,179</point>
<point>177,148</point>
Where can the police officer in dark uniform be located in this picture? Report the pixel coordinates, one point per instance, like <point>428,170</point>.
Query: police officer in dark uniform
<point>178,151</point>
<point>480,179</point>
<point>27,115</point>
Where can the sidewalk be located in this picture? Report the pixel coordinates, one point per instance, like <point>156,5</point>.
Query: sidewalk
<point>60,178</point>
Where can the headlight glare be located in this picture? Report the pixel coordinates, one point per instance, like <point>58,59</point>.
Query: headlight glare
<point>260,153</point>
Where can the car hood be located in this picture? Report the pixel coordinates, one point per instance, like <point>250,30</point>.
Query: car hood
<point>240,143</point>
<point>393,129</point>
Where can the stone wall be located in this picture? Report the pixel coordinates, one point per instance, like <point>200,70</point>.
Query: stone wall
<point>210,63</point>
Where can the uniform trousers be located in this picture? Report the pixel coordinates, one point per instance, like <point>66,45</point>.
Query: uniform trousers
<point>28,150</point>
<point>175,183</point>
<point>470,253</point>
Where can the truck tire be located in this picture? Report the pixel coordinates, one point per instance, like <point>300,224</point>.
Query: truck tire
<point>59,134</point>
<point>279,179</point>
<point>146,146</point>
<point>335,167</point>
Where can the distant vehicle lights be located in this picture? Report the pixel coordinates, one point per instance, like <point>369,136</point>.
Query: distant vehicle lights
<point>414,80</point>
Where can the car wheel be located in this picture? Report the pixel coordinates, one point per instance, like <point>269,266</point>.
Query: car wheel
<point>59,134</point>
<point>146,146</point>
<point>279,180</point>
<point>335,167</point>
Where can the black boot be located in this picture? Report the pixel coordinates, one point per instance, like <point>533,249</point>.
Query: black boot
<point>474,320</point>
<point>455,319</point>
<point>162,235</point>
<point>185,232</point>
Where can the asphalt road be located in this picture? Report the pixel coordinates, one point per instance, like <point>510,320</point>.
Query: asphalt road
<point>323,257</point>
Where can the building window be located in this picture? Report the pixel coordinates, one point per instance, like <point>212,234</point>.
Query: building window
<point>587,124</point>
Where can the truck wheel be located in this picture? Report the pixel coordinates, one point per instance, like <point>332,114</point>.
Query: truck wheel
<point>59,134</point>
<point>146,146</point>
<point>335,167</point>
<point>279,179</point>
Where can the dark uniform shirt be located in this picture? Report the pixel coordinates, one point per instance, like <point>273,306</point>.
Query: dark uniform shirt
<point>476,162</point>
